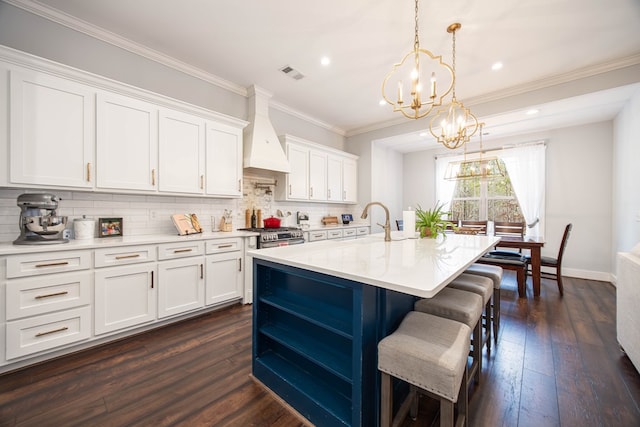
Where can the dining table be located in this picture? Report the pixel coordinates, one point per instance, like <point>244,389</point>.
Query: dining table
<point>534,244</point>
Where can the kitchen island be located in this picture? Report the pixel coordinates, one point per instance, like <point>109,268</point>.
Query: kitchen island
<point>321,309</point>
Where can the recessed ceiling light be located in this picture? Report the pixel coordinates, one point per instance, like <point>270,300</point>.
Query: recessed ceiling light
<point>497,66</point>
<point>532,112</point>
<point>325,60</point>
<point>423,134</point>
<point>382,102</point>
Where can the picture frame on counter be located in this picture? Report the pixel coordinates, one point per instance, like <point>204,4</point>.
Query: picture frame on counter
<point>109,227</point>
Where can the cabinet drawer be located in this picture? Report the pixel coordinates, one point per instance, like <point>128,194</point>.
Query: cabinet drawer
<point>223,245</point>
<point>45,332</point>
<point>180,250</point>
<point>349,232</point>
<point>41,295</point>
<point>363,231</point>
<point>56,262</point>
<point>317,235</point>
<point>108,257</point>
<point>334,234</point>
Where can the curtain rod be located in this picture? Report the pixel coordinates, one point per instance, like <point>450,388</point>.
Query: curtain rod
<point>491,150</point>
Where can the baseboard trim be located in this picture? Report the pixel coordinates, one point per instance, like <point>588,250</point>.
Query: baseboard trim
<point>600,276</point>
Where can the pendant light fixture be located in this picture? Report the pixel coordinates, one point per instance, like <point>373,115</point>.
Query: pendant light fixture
<point>483,167</point>
<point>417,76</point>
<point>454,124</point>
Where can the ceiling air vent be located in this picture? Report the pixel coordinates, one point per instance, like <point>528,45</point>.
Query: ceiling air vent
<point>292,72</point>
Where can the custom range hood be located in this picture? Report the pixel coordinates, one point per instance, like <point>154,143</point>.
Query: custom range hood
<point>262,149</point>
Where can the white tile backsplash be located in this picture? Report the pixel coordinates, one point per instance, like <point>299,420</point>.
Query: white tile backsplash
<point>146,215</point>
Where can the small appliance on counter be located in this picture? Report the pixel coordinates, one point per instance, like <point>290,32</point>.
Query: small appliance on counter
<point>330,220</point>
<point>347,218</point>
<point>83,228</point>
<point>39,222</point>
<point>303,220</point>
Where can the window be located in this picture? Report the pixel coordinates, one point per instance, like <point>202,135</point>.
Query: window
<point>491,199</point>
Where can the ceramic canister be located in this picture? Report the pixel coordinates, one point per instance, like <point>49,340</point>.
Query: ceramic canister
<point>84,228</point>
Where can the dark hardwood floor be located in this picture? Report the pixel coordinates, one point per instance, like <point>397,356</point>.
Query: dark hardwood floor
<point>557,363</point>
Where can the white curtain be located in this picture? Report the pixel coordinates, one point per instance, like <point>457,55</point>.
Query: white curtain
<point>526,169</point>
<point>445,188</point>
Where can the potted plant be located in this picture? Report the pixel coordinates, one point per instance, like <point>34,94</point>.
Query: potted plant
<point>430,222</point>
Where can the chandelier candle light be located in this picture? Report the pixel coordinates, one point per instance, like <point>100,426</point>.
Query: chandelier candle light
<point>419,66</point>
<point>454,124</point>
<point>483,168</point>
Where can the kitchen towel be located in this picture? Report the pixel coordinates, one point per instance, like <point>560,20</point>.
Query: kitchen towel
<point>409,223</point>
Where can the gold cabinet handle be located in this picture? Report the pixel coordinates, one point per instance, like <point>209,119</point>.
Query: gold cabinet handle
<point>153,177</point>
<point>177,251</point>
<point>41,334</point>
<point>52,264</point>
<point>88,172</point>
<point>289,189</point>
<point>239,264</point>
<point>310,191</point>
<point>201,271</point>
<point>225,246</point>
<point>52,295</point>
<point>202,182</point>
<point>127,256</point>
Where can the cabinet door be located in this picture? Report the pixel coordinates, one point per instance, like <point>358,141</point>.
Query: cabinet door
<point>334,179</point>
<point>180,286</point>
<point>298,178</point>
<point>224,277</point>
<point>317,175</point>
<point>224,160</point>
<point>124,297</point>
<point>51,131</point>
<point>181,153</point>
<point>350,181</point>
<point>127,143</point>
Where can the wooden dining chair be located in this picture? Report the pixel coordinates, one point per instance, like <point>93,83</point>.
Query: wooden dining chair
<point>555,263</point>
<point>513,229</point>
<point>480,226</point>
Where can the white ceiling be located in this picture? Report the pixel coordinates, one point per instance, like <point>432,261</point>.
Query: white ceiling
<point>247,42</point>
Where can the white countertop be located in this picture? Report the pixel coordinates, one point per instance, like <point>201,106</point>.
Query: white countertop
<point>8,248</point>
<point>419,267</point>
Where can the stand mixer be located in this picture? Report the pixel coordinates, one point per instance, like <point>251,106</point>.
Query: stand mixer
<point>39,223</point>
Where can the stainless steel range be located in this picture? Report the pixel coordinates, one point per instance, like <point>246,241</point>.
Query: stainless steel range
<point>274,237</point>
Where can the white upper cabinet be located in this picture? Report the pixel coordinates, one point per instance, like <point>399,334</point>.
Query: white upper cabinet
<point>297,182</point>
<point>317,175</point>
<point>69,129</point>
<point>51,130</point>
<point>223,160</point>
<point>127,143</point>
<point>334,178</point>
<point>181,152</point>
<point>350,181</point>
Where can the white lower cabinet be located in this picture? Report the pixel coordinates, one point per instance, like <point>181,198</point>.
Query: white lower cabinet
<point>47,331</point>
<point>224,277</point>
<point>124,297</point>
<point>180,286</point>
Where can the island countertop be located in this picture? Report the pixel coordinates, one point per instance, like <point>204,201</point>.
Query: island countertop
<point>419,267</point>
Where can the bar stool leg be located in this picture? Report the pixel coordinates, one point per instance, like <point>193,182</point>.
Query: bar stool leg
<point>386,400</point>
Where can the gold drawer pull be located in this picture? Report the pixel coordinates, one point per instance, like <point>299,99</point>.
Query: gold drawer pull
<point>127,256</point>
<point>176,251</point>
<point>317,235</point>
<point>52,295</point>
<point>53,264</point>
<point>225,246</point>
<point>41,334</point>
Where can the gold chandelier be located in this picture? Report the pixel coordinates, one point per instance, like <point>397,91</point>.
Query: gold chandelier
<point>483,168</point>
<point>453,125</point>
<point>417,67</point>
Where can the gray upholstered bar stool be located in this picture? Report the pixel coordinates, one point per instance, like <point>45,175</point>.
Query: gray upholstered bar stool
<point>464,307</point>
<point>482,286</point>
<point>494,273</point>
<point>430,353</point>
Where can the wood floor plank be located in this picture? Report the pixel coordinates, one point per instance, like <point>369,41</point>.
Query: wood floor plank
<point>557,363</point>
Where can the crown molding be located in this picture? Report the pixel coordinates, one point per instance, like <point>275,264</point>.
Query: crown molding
<point>91,30</point>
